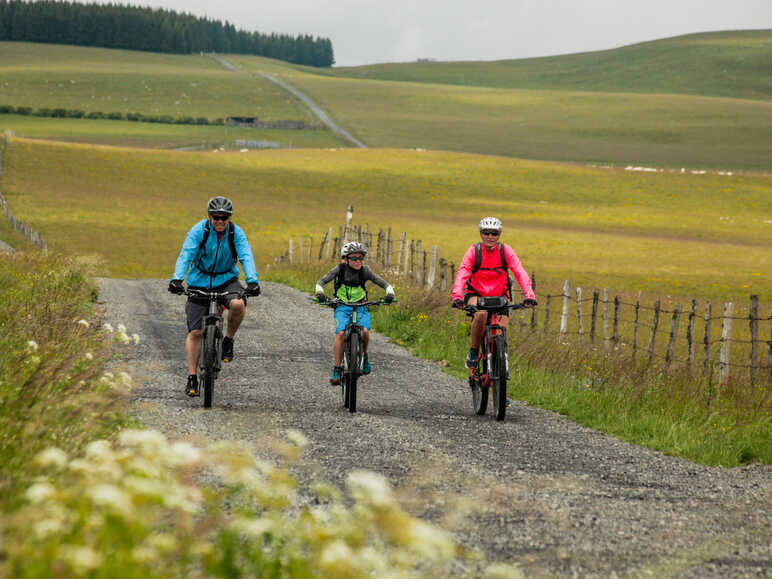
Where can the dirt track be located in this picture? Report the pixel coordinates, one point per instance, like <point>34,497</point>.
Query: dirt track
<point>559,499</point>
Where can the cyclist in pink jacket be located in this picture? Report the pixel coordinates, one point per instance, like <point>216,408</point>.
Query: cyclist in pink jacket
<point>483,272</point>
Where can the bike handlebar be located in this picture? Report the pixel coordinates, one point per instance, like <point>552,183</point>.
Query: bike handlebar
<point>210,294</point>
<point>512,306</point>
<point>336,302</point>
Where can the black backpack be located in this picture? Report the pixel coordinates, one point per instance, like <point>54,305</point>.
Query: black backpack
<point>202,248</point>
<point>478,261</point>
<point>339,279</point>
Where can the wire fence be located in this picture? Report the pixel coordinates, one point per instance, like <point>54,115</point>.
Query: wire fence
<point>729,340</point>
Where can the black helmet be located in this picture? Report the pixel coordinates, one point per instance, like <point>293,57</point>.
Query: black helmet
<point>219,204</point>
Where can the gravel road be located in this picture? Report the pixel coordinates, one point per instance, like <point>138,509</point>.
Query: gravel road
<point>537,489</point>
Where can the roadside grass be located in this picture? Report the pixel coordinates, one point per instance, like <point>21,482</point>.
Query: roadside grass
<point>53,360</point>
<point>161,136</point>
<point>678,413</point>
<point>726,64</point>
<point>107,80</point>
<point>663,130</point>
<point>677,234</point>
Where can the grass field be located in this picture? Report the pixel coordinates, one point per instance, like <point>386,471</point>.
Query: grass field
<point>691,235</point>
<point>663,130</point>
<point>731,64</point>
<point>157,135</point>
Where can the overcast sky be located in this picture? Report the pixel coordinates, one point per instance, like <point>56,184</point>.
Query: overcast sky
<point>370,31</point>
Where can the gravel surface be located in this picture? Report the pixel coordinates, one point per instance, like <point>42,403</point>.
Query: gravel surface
<point>554,497</point>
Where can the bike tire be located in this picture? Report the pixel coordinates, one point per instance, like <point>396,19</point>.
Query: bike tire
<point>210,361</point>
<point>499,377</point>
<point>352,370</point>
<point>479,395</point>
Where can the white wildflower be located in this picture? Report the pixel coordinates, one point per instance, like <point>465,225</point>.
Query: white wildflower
<point>254,528</point>
<point>89,356</point>
<point>430,541</point>
<point>297,438</point>
<point>52,456</point>
<point>148,440</point>
<point>370,487</point>
<point>108,327</point>
<point>183,453</point>
<point>503,571</point>
<point>336,555</point>
<point>108,495</point>
<point>32,360</point>
<point>121,336</point>
<point>124,378</point>
<point>81,558</point>
<point>135,338</point>
<point>83,323</point>
<point>100,450</point>
<point>109,375</point>
<point>39,492</point>
<point>47,528</point>
<point>32,346</point>
<point>121,328</point>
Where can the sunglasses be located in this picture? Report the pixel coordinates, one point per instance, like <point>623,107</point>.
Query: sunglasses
<point>490,232</point>
<point>360,258</point>
<point>220,217</point>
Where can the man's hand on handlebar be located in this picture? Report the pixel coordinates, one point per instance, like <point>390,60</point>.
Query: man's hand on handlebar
<point>321,298</point>
<point>530,303</point>
<point>388,298</point>
<point>253,289</point>
<point>457,303</point>
<point>175,287</point>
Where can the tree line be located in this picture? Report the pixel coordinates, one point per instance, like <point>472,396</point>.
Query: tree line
<point>150,29</point>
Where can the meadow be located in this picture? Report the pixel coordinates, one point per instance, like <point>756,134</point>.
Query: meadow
<point>670,233</point>
<point>732,64</point>
<point>663,130</point>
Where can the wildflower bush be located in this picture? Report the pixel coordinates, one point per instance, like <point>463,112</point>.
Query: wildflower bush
<point>137,507</point>
<point>53,384</point>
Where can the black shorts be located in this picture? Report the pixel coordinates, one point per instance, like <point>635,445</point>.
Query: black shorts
<point>196,308</point>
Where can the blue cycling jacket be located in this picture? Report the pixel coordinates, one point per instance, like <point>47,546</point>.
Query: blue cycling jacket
<point>215,256</point>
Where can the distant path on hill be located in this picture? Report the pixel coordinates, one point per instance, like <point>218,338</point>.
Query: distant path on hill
<point>316,109</point>
<point>539,490</point>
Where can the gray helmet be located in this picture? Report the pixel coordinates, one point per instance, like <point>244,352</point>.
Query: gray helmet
<point>219,204</point>
<point>352,247</point>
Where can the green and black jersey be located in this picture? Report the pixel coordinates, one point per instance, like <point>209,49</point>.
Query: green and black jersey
<point>350,283</point>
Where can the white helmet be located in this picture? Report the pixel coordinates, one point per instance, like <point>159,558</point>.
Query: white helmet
<point>490,223</point>
<point>352,247</point>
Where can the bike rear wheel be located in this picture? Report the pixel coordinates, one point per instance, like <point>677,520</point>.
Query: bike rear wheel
<point>499,377</point>
<point>479,394</point>
<point>210,360</point>
<point>351,357</point>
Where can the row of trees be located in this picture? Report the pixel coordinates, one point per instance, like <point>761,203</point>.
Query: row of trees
<point>149,29</point>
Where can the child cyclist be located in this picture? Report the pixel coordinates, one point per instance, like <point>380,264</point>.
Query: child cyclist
<point>350,277</point>
<point>483,272</point>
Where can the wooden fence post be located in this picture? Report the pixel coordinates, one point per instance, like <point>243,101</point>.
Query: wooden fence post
<point>424,269</point>
<point>443,274</point>
<point>310,247</point>
<point>615,334</point>
<point>412,261</point>
<point>402,238</point>
<point>405,258</point>
<point>389,249</point>
<point>378,246</point>
<point>432,268</point>
<point>726,340</point>
<point>580,331</point>
<point>753,316</point>
<point>673,334</point>
<point>654,324</point>
<point>290,251</point>
<point>594,318</point>
<point>564,314</point>
<point>637,321</point>
<point>690,333</point>
<point>605,318</point>
<point>706,339</point>
<point>547,315</point>
<point>322,244</point>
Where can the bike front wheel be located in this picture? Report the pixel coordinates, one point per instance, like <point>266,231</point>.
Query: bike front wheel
<point>499,377</point>
<point>479,394</point>
<point>351,360</point>
<point>210,361</point>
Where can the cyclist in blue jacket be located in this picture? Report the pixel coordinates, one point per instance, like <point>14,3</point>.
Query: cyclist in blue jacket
<point>208,259</point>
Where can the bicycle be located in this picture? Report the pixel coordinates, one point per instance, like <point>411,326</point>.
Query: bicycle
<point>491,372</point>
<point>353,355</point>
<point>209,361</point>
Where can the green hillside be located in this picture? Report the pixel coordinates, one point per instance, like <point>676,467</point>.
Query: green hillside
<point>735,64</point>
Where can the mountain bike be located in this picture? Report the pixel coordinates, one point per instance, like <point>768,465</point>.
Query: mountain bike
<point>490,374</point>
<point>209,361</point>
<point>353,354</point>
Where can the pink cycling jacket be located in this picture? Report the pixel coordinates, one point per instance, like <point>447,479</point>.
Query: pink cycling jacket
<point>486,282</point>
